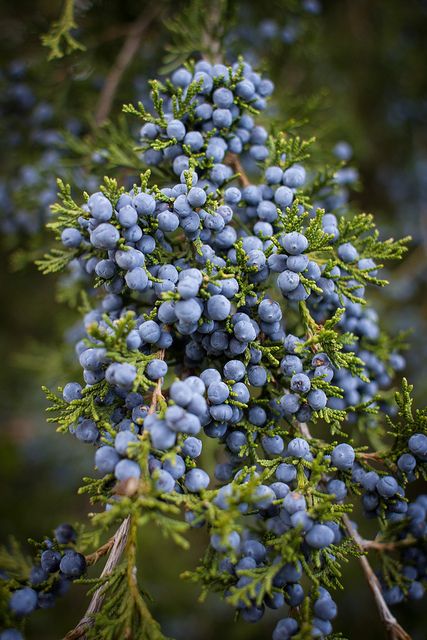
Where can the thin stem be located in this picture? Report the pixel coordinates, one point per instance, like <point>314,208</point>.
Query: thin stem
<point>120,540</point>
<point>394,630</point>
<point>93,558</point>
<point>123,60</point>
<point>377,545</point>
<point>233,161</point>
<point>370,456</point>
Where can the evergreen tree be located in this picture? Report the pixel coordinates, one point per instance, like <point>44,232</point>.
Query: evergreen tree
<point>235,377</point>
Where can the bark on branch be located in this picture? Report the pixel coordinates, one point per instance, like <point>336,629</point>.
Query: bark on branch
<point>233,161</point>
<point>377,545</point>
<point>120,539</point>
<point>123,60</point>
<point>393,628</point>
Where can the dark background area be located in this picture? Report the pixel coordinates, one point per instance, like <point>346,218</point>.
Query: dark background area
<point>363,63</point>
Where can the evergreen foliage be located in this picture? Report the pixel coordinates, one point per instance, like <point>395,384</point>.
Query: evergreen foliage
<point>226,298</point>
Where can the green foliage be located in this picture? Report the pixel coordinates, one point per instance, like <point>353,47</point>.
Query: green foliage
<point>109,146</point>
<point>59,39</point>
<point>66,213</point>
<point>286,150</point>
<point>123,612</point>
<point>407,422</point>
<point>325,338</point>
<point>67,414</point>
<point>56,260</point>
<point>361,231</point>
<point>14,562</point>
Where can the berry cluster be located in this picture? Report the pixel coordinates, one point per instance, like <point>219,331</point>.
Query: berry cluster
<point>232,308</point>
<point>213,101</point>
<point>58,564</point>
<point>407,462</point>
<point>270,32</point>
<point>413,559</point>
<point>30,127</point>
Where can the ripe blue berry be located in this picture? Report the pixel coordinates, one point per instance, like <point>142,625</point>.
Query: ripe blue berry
<point>23,601</point>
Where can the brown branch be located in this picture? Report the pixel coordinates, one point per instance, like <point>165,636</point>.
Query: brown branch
<point>394,630</point>
<point>120,540</point>
<point>233,161</point>
<point>123,60</point>
<point>377,545</point>
<point>93,558</point>
<point>370,456</point>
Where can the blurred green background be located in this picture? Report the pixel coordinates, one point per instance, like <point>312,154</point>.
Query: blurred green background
<point>362,67</point>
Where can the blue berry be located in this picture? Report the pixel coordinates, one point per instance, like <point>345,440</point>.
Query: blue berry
<point>23,601</point>
<point>72,391</point>
<point>257,376</point>
<point>317,399</point>
<point>164,481</point>
<point>196,480</point>
<point>71,238</point>
<point>123,440</point>
<point>126,469</point>
<point>196,197</point>
<point>285,629</point>
<point>294,502</point>
<point>105,236</point>
<point>100,207</point>
<point>418,445</point>
<point>294,177</point>
<point>38,575</point>
<point>347,252</point>
<point>294,243</point>
<point>319,536</point>
<point>175,129</point>
<point>288,281</point>
<point>343,456</point>
<point>156,369</point>
<point>300,383</point>
<point>65,533</point>
<point>50,560</point>
<point>72,564</point>
<point>298,448</point>
<point>11,634</point>
<point>406,463</point>
<point>272,445</point>
<point>218,307</point>
<point>387,486</point>
<point>325,608</point>
<point>149,331</point>
<point>106,459</point>
<point>283,197</point>
<point>192,447</point>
